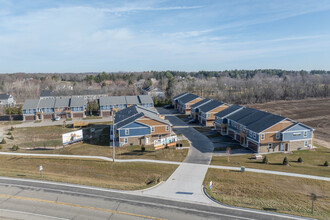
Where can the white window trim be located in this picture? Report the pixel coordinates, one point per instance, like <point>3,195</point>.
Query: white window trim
<point>278,135</point>
<point>306,143</point>
<point>125,140</point>
<point>305,133</point>
<point>262,136</point>
<point>126,131</point>
<point>167,128</point>
<point>152,129</point>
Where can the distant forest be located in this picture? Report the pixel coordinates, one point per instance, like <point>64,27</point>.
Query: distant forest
<point>231,86</point>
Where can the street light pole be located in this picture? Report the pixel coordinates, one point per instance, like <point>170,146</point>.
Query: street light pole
<point>113,137</point>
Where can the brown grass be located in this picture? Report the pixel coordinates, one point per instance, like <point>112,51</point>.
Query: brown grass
<point>265,191</point>
<point>312,162</point>
<point>126,176</point>
<point>312,112</point>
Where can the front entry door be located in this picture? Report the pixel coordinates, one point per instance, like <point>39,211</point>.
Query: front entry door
<point>282,147</point>
<point>286,147</point>
<point>147,140</point>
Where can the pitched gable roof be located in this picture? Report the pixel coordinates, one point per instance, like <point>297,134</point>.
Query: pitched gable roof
<point>241,113</point>
<point>297,126</point>
<point>200,103</point>
<point>230,110</point>
<point>46,103</point>
<point>4,96</point>
<point>145,99</point>
<point>31,104</point>
<point>265,122</point>
<point>78,102</point>
<point>210,105</point>
<point>61,102</point>
<point>187,98</point>
<point>132,100</point>
<point>179,96</point>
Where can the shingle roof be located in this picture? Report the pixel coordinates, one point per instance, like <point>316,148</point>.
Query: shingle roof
<point>228,111</point>
<point>187,98</point>
<point>77,102</point>
<point>46,103</point>
<point>132,100</point>
<point>4,96</point>
<point>210,105</point>
<point>105,100</point>
<point>61,102</point>
<point>200,103</point>
<point>130,114</point>
<point>46,93</point>
<point>117,100</point>
<point>31,104</point>
<point>241,114</point>
<point>145,99</point>
<point>265,123</point>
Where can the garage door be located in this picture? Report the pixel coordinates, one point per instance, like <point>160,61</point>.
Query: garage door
<point>29,118</point>
<point>78,115</point>
<point>48,116</point>
<point>231,134</point>
<point>253,146</point>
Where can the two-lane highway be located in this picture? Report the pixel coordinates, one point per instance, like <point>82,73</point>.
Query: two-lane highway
<point>31,199</point>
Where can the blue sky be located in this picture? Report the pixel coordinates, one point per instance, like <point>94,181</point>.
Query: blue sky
<point>187,35</point>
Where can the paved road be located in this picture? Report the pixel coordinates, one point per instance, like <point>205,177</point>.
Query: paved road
<point>31,199</point>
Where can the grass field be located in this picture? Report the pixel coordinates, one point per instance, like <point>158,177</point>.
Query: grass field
<point>125,176</point>
<point>269,192</point>
<point>312,112</point>
<point>312,162</point>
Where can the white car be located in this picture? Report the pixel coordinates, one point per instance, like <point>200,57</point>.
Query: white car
<point>57,118</point>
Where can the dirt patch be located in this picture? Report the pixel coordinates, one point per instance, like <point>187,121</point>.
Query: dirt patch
<point>312,112</point>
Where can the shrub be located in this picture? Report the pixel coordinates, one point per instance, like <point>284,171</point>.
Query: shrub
<point>12,137</point>
<point>300,160</point>
<point>3,141</point>
<point>326,164</point>
<point>0,147</point>
<point>9,133</point>
<point>285,161</point>
<point>265,160</point>
<point>12,128</point>
<point>15,147</point>
<point>143,148</point>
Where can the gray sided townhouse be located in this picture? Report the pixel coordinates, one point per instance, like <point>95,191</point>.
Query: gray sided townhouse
<point>137,125</point>
<point>264,132</point>
<point>221,121</point>
<point>208,110</point>
<point>194,109</point>
<point>108,105</point>
<point>185,102</point>
<point>40,109</point>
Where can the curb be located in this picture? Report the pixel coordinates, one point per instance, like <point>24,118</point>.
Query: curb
<point>254,210</point>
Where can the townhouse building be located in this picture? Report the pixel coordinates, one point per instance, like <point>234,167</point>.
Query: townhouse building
<point>208,110</point>
<point>108,105</point>
<point>175,99</point>
<point>137,125</point>
<point>185,102</point>
<point>49,108</point>
<point>221,121</point>
<point>194,109</point>
<point>7,100</point>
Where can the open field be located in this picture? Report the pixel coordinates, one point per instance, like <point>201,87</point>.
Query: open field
<point>312,162</point>
<point>269,192</point>
<point>45,139</point>
<point>125,176</point>
<point>312,112</point>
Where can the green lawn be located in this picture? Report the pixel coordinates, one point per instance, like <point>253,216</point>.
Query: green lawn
<point>125,176</point>
<point>312,162</point>
<point>283,194</point>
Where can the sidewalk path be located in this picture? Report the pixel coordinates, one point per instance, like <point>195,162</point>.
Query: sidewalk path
<point>189,165</point>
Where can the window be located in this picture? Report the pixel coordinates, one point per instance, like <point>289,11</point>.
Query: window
<point>187,105</point>
<point>167,128</point>
<point>262,136</point>
<point>250,133</point>
<point>208,115</point>
<point>125,141</point>
<point>254,135</point>
<point>277,135</point>
<point>305,133</point>
<point>159,137</point>
<point>152,129</point>
<point>126,131</point>
<point>306,144</point>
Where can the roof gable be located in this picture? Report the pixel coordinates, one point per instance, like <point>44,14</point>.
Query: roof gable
<point>77,102</point>
<point>4,96</point>
<point>188,98</point>
<point>132,100</point>
<point>31,104</point>
<point>197,104</point>
<point>144,99</point>
<point>297,127</point>
<point>47,103</point>
<point>210,105</point>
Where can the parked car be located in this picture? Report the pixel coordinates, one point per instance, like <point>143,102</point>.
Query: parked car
<point>57,118</point>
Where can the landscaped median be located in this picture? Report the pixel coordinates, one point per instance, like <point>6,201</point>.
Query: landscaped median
<point>312,162</point>
<point>92,172</point>
<point>290,195</point>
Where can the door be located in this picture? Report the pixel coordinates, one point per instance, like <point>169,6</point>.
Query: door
<point>282,147</point>
<point>147,140</point>
<point>286,147</point>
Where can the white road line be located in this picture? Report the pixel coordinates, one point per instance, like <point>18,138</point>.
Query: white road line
<point>29,213</point>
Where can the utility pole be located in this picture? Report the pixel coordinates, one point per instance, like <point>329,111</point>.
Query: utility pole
<point>113,138</point>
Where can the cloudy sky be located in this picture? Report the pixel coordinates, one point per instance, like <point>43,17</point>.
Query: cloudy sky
<point>189,35</point>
